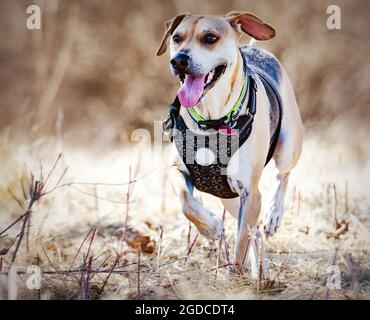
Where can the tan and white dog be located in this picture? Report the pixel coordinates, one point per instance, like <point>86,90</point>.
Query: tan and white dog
<point>206,54</point>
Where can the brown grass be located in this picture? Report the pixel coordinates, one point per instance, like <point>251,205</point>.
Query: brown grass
<point>83,84</point>
<point>78,262</point>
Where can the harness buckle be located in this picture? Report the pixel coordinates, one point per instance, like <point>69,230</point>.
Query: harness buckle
<point>232,123</point>
<point>202,126</point>
<point>211,124</point>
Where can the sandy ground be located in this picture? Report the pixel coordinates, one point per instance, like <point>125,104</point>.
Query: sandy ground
<point>330,179</point>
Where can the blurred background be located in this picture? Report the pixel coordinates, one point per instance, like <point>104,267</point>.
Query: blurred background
<point>82,84</point>
<point>91,72</point>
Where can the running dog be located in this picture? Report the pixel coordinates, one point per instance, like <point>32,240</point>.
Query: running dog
<point>230,90</point>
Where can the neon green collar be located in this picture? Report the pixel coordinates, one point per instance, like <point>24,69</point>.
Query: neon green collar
<point>235,110</point>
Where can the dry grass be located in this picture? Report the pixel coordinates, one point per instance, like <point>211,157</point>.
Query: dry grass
<point>178,263</point>
<point>83,84</point>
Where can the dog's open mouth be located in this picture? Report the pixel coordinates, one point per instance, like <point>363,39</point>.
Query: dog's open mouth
<point>194,87</point>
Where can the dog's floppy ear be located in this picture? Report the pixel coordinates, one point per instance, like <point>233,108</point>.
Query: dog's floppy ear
<point>251,25</point>
<point>170,26</point>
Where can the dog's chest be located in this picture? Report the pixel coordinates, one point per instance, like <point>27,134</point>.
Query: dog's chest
<point>206,158</point>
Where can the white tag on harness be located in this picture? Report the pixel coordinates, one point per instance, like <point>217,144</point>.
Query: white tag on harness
<point>205,157</point>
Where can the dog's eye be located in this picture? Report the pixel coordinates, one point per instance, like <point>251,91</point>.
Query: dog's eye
<point>210,38</point>
<point>176,38</point>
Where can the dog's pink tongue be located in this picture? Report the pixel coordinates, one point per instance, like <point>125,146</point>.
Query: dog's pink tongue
<point>191,90</point>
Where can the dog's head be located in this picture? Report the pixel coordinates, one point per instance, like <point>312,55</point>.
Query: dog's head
<point>203,48</point>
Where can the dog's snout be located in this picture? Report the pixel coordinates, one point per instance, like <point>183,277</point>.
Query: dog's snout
<point>180,62</point>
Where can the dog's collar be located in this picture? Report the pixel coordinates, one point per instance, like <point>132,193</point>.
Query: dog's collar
<point>229,120</point>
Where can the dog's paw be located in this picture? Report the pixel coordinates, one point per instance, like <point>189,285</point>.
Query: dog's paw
<point>272,221</point>
<point>211,230</point>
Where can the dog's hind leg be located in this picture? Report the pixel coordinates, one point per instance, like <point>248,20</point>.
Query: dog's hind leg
<point>207,225</point>
<point>274,215</point>
<point>286,155</point>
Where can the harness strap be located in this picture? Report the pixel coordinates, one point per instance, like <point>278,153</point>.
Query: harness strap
<point>173,113</point>
<point>271,91</point>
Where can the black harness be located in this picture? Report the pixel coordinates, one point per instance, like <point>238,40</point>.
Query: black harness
<point>212,178</point>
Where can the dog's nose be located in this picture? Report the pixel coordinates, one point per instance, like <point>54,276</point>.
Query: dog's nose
<point>180,62</point>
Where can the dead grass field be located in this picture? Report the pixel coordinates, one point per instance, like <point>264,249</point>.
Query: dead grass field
<point>326,183</point>
<point>82,85</point>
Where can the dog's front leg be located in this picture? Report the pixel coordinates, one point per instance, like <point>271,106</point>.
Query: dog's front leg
<point>250,206</point>
<point>207,225</point>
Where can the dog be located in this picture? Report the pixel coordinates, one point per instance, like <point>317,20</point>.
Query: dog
<point>213,67</point>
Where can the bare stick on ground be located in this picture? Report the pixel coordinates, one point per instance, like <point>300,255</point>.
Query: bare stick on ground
<point>191,247</point>
<point>138,274</point>
<point>108,276</point>
<point>159,255</point>
<point>220,242</point>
